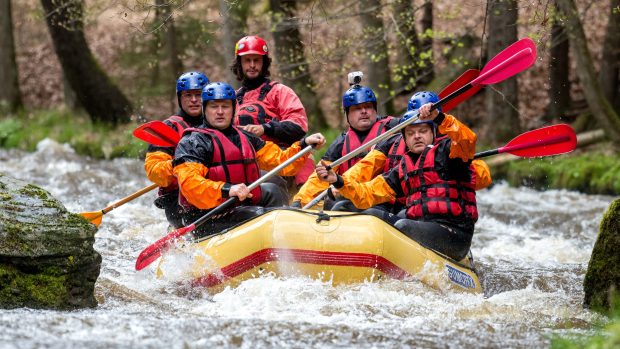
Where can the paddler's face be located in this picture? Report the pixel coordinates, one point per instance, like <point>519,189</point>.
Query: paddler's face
<point>191,102</point>
<point>362,116</point>
<point>219,113</point>
<point>251,65</point>
<point>418,136</point>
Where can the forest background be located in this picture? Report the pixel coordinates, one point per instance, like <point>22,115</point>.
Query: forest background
<point>88,72</point>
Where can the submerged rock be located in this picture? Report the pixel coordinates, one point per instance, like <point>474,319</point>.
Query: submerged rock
<point>603,276</point>
<point>47,258</point>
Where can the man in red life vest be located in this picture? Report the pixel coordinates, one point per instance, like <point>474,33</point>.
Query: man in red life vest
<point>218,161</point>
<point>268,109</point>
<point>158,162</point>
<point>435,177</point>
<point>360,107</point>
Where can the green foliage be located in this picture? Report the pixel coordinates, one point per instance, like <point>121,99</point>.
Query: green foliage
<point>26,129</point>
<point>595,173</point>
<point>330,135</point>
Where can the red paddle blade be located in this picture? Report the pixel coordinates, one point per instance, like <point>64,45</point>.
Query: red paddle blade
<point>154,251</point>
<point>157,133</point>
<point>545,141</point>
<point>461,81</point>
<point>512,60</point>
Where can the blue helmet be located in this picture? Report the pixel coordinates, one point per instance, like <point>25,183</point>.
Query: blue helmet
<point>217,91</point>
<point>358,94</point>
<point>421,98</point>
<point>191,81</point>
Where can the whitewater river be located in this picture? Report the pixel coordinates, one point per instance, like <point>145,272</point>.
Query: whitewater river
<point>531,249</point>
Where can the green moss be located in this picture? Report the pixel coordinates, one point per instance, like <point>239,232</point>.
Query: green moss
<point>594,173</point>
<point>607,336</point>
<point>45,288</point>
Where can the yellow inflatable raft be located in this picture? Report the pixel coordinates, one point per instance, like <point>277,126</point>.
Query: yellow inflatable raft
<point>331,246</point>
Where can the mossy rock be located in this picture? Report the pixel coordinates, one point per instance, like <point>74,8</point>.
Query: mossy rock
<point>47,258</point>
<point>602,281</point>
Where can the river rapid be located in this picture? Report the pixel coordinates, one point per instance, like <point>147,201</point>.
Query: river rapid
<point>531,250</point>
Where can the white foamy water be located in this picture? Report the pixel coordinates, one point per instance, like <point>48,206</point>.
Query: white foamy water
<point>531,249</point>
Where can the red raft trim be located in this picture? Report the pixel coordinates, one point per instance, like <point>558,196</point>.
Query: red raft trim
<point>301,256</point>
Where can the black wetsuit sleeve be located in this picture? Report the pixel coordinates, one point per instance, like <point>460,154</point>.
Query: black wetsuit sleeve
<point>385,146</point>
<point>284,131</point>
<point>256,142</point>
<point>334,152</point>
<point>194,147</point>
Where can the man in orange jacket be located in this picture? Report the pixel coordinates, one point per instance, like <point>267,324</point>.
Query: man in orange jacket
<point>158,162</point>
<point>266,108</point>
<point>218,161</point>
<point>436,178</point>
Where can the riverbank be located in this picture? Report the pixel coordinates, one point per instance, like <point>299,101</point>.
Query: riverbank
<point>592,170</point>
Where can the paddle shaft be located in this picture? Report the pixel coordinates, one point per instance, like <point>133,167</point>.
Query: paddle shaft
<point>232,200</point>
<point>387,134</point>
<point>129,198</point>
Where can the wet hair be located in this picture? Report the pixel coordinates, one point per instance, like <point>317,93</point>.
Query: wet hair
<point>236,68</point>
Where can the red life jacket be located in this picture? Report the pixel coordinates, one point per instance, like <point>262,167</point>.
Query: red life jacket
<point>352,142</point>
<point>396,152</point>
<point>428,195</point>
<point>256,112</point>
<point>229,163</point>
<point>180,126</point>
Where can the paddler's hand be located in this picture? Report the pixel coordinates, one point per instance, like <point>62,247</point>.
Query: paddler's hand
<point>241,191</point>
<point>323,174</point>
<point>426,114</point>
<point>258,130</point>
<point>317,140</point>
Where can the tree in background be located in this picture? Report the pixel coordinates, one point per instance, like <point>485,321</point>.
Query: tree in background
<point>292,61</point>
<point>502,99</point>
<point>101,99</point>
<point>10,98</point>
<point>375,47</point>
<point>609,75</point>
<point>559,83</point>
<point>234,26</point>
<point>601,109</point>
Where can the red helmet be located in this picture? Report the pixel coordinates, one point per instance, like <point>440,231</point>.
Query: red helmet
<point>251,45</point>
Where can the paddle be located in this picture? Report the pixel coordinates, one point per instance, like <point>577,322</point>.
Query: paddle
<point>157,133</point>
<point>461,81</point>
<point>97,216</point>
<point>512,60</point>
<point>154,251</point>
<point>545,141</point>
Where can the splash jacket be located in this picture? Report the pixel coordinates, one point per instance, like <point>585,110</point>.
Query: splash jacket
<point>447,166</point>
<point>346,142</point>
<point>205,160</point>
<point>273,105</point>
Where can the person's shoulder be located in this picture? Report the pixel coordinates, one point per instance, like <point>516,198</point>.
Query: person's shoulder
<point>386,145</point>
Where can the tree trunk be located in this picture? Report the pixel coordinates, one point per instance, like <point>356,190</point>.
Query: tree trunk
<point>601,108</point>
<point>559,84</point>
<point>172,50</point>
<point>103,101</point>
<point>234,15</point>
<point>293,65</point>
<point>609,75</point>
<point>10,98</point>
<point>378,69</point>
<point>502,99</point>
<point>427,73</point>
<point>405,75</point>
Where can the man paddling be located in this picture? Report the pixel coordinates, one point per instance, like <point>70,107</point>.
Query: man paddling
<point>360,107</point>
<point>266,108</point>
<point>158,162</point>
<point>435,177</point>
<point>218,160</point>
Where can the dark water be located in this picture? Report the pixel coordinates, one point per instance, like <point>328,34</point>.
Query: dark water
<point>532,250</point>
